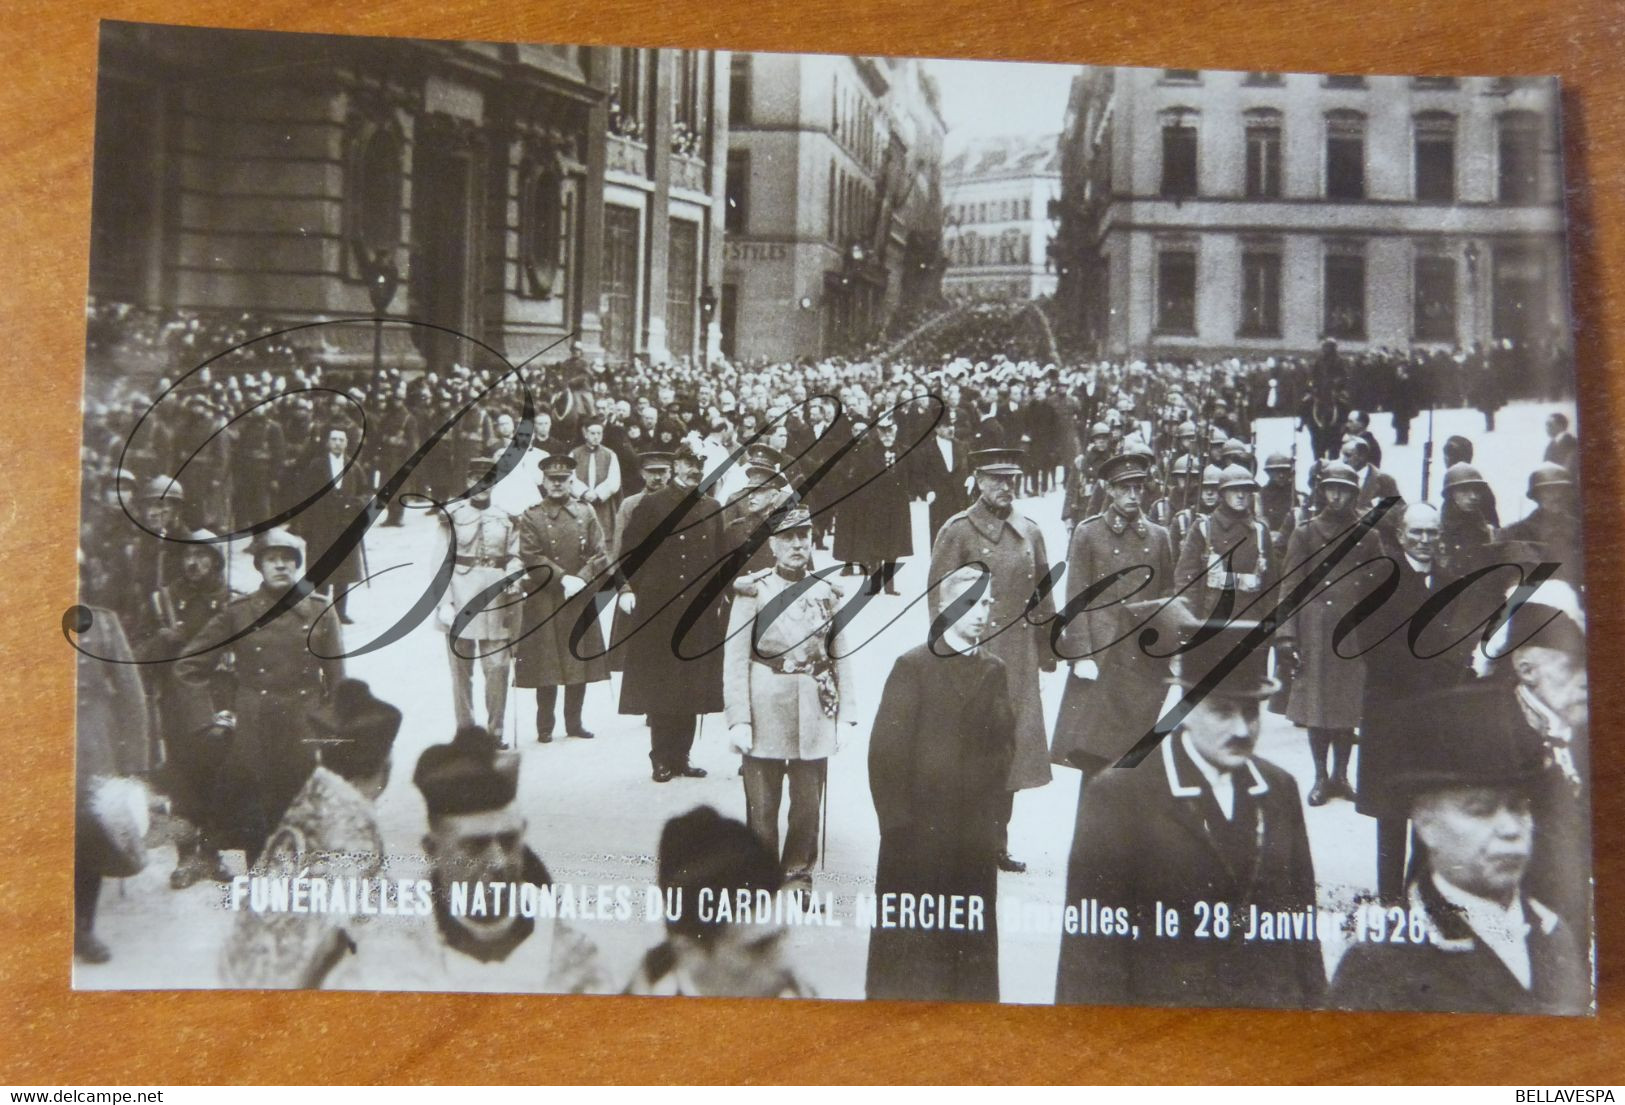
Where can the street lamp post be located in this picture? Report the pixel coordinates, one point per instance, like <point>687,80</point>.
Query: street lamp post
<point>708,309</point>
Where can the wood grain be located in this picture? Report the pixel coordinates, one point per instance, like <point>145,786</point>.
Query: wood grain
<point>51,1035</point>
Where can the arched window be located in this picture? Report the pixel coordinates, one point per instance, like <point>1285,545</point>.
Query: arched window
<point>541,222</point>
<point>374,188</point>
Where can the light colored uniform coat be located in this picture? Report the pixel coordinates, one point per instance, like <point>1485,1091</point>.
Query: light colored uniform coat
<point>487,550</point>
<point>788,722</point>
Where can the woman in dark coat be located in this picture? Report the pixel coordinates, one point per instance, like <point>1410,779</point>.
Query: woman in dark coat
<point>942,742</point>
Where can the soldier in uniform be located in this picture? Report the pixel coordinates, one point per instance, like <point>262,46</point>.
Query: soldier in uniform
<point>1083,490</point>
<point>487,550</point>
<point>179,611</point>
<point>1328,685</point>
<point>787,687</point>
<point>1552,529</point>
<point>1207,500</point>
<point>262,676</point>
<point>1115,689</point>
<point>475,838</point>
<point>1465,528</point>
<point>765,491</point>
<point>1488,945</point>
<point>1278,500</point>
<point>562,548</point>
<point>673,547</point>
<point>1011,546</point>
<point>1225,562</point>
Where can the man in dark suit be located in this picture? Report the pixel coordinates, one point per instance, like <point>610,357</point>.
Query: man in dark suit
<point>1475,940</point>
<point>943,474</point>
<point>322,523</point>
<point>1375,485</point>
<point>1180,862</point>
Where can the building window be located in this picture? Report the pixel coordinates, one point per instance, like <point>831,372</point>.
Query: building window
<point>736,217</point>
<point>1345,296</point>
<point>1518,149</point>
<point>1345,81</point>
<point>126,230</point>
<point>1435,299</point>
<point>542,225</point>
<point>627,84</point>
<point>620,294</point>
<point>1264,154</point>
<point>1262,78</point>
<point>1345,155</point>
<point>1439,83</point>
<point>1260,295</point>
<point>682,286</point>
<point>1518,288</point>
<point>1179,155</point>
<point>739,89</point>
<point>1176,291</point>
<point>688,103</point>
<point>1436,157</point>
<point>1182,76</point>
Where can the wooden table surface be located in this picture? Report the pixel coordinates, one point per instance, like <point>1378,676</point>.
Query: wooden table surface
<point>49,1035</point>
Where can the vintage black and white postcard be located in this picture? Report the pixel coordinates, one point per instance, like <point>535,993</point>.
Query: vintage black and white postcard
<point>565,519</point>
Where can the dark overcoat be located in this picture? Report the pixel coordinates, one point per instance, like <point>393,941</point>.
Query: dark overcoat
<point>669,670</point>
<point>1150,834</point>
<point>941,745</point>
<point>556,540</point>
<point>1100,719</point>
<point>1328,689</point>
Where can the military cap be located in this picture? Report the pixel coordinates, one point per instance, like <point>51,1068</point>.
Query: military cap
<point>162,487</point>
<point>790,518</point>
<point>1465,737</point>
<point>1462,474</point>
<point>998,462</point>
<point>277,538</point>
<point>1277,461</point>
<point>1100,429</point>
<point>655,458</point>
<point>1207,646</point>
<point>353,728</point>
<point>1212,475</point>
<point>1549,475</point>
<point>1125,466</point>
<point>687,454</point>
<point>1336,472</point>
<point>472,774</point>
<point>763,459</point>
<point>557,464</point>
<point>1236,476</point>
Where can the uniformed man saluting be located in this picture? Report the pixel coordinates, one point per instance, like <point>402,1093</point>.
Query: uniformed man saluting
<point>261,684</point>
<point>787,688</point>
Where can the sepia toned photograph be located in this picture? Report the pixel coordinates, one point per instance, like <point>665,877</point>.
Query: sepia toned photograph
<point>630,520</point>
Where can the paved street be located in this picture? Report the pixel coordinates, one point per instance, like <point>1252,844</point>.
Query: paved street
<point>595,815</point>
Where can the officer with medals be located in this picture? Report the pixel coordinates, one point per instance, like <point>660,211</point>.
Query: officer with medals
<point>787,687</point>
<point>487,551</point>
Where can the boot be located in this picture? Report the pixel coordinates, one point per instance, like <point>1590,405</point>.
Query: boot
<point>88,948</point>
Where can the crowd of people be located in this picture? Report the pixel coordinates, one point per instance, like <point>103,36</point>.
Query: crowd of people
<point>662,522</point>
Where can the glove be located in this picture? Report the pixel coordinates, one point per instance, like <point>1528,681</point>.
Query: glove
<point>225,719</point>
<point>627,602</point>
<point>1085,669</point>
<point>572,585</point>
<point>741,737</point>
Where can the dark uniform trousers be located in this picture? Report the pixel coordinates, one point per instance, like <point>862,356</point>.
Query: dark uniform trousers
<point>671,738</point>
<point>764,788</point>
<point>575,694</point>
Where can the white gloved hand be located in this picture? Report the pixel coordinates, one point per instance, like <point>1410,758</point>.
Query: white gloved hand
<point>573,586</point>
<point>628,602</point>
<point>741,738</point>
<point>1085,669</point>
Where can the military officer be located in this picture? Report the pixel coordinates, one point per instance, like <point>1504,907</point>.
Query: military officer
<point>1011,546</point>
<point>764,492</point>
<point>561,545</point>
<point>787,687</point>
<point>262,676</point>
<point>487,551</point>
<point>674,547</point>
<point>1115,689</point>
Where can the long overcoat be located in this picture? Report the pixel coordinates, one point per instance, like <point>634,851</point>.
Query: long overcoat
<point>556,540</point>
<point>1328,689</point>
